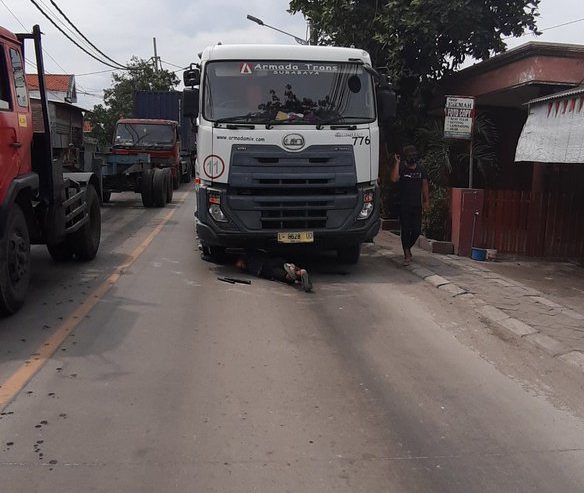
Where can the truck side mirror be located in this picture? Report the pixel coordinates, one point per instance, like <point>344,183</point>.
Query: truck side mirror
<point>192,77</point>
<point>191,103</point>
<point>386,104</point>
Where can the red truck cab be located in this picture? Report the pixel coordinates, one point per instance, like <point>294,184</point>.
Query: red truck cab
<point>16,130</point>
<point>157,138</point>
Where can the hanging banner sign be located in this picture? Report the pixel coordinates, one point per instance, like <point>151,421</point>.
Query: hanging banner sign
<point>459,117</point>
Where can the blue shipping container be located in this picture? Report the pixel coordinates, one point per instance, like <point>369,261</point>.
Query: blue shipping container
<point>166,105</point>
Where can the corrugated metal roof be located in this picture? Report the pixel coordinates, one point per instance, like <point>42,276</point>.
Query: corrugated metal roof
<point>576,91</point>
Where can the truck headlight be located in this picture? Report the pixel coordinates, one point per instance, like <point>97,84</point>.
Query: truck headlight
<point>367,209</point>
<point>215,210</point>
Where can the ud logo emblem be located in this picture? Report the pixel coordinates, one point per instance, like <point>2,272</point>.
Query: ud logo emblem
<point>293,142</point>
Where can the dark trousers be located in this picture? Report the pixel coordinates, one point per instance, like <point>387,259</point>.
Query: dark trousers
<point>411,225</point>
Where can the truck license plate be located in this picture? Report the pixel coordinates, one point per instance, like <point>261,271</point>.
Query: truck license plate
<point>300,237</point>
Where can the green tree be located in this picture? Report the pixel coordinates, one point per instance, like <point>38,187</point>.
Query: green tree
<point>119,98</point>
<point>419,41</point>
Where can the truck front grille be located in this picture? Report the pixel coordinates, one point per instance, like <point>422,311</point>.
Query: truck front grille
<point>271,189</point>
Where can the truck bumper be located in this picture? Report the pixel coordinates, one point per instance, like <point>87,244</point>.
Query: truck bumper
<point>231,234</point>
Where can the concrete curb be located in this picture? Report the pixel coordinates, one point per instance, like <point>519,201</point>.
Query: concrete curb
<point>512,326</point>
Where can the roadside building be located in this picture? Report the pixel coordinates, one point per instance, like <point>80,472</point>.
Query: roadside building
<point>533,204</point>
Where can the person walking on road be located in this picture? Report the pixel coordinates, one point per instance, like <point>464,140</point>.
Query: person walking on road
<point>414,193</point>
<point>261,264</point>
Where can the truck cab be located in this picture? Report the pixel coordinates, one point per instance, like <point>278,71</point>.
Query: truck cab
<point>157,138</point>
<point>16,130</point>
<point>288,148</point>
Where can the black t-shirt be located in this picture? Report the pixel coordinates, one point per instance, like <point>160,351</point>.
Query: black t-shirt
<point>410,185</point>
<point>262,265</point>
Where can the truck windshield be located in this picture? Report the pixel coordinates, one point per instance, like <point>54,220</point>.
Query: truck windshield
<point>288,92</point>
<point>138,134</point>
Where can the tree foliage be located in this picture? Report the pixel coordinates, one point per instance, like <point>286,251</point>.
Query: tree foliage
<point>420,41</point>
<point>119,98</point>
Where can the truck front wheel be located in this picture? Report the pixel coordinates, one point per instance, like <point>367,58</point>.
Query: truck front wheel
<point>176,179</point>
<point>169,188</point>
<point>159,187</point>
<point>61,252</point>
<point>14,262</point>
<point>146,188</point>
<point>86,240</point>
<point>349,254</point>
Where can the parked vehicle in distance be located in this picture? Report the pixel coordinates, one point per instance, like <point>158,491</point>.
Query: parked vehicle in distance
<point>145,159</point>
<point>168,105</point>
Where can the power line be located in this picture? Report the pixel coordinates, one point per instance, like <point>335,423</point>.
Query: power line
<point>83,36</point>
<point>26,29</point>
<point>13,15</point>
<point>174,65</point>
<point>98,72</point>
<point>550,28</point>
<point>49,18</point>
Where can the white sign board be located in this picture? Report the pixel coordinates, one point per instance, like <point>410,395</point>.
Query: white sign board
<point>459,117</point>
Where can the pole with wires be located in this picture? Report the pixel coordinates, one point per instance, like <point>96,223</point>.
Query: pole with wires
<point>155,55</point>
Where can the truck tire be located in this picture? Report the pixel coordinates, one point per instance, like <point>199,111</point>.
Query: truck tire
<point>159,187</point>
<point>14,262</point>
<point>85,242</point>
<point>169,189</point>
<point>146,188</point>
<point>106,197</point>
<point>61,252</point>
<point>186,177</point>
<point>176,179</point>
<point>349,254</point>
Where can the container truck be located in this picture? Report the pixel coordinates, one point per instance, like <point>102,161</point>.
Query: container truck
<point>39,202</point>
<point>167,105</point>
<point>287,147</point>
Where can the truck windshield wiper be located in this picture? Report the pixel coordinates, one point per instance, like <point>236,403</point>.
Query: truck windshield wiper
<point>271,123</point>
<point>233,122</point>
<point>341,119</point>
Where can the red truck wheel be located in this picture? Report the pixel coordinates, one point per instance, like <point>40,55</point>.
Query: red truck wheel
<point>14,262</point>
<point>170,188</point>
<point>146,188</point>
<point>61,252</point>
<point>160,187</point>
<point>176,179</point>
<point>86,240</point>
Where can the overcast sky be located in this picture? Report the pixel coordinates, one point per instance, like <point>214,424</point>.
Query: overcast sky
<point>184,27</point>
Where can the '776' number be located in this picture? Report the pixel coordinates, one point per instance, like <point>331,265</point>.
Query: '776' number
<point>360,140</point>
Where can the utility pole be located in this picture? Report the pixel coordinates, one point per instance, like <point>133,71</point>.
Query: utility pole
<point>312,32</point>
<point>155,55</point>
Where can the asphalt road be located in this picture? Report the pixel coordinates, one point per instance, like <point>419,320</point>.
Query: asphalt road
<point>172,381</point>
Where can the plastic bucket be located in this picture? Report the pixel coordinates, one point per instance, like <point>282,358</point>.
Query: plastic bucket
<point>479,254</point>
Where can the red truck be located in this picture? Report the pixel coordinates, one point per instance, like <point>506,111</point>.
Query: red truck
<point>40,203</point>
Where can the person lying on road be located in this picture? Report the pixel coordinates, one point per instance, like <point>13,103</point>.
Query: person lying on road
<point>262,265</point>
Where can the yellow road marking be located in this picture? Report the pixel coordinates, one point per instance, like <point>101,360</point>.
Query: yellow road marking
<point>16,382</point>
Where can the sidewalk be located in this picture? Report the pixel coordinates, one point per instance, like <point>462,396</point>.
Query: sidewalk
<point>539,302</point>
